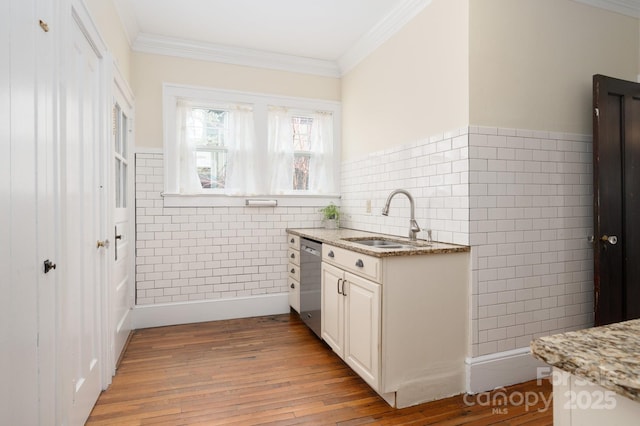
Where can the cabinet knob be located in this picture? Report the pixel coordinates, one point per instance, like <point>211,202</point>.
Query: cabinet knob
<point>360,263</point>
<point>293,271</point>
<point>293,256</point>
<point>293,285</point>
<point>330,254</point>
<point>292,241</point>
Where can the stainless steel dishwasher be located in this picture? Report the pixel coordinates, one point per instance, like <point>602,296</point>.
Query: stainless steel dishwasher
<point>310,288</point>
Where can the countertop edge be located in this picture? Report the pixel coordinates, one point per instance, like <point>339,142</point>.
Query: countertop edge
<point>592,354</point>
<point>336,237</point>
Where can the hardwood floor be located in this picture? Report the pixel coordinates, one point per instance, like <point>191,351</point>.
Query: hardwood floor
<point>273,371</point>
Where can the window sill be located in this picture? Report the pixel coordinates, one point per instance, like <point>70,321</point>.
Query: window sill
<point>216,200</point>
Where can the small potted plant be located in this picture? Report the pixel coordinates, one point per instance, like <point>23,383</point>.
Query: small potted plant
<point>331,216</point>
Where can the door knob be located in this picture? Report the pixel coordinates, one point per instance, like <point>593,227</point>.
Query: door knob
<point>48,265</point>
<point>611,239</point>
<point>104,244</point>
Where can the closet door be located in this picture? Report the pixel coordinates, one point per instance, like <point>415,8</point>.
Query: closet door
<point>83,207</point>
<point>27,234</point>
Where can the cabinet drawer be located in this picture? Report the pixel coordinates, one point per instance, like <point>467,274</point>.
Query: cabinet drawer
<point>294,294</point>
<point>294,241</point>
<point>293,256</point>
<point>294,271</point>
<point>358,263</point>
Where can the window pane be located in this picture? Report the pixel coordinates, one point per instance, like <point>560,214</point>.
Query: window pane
<point>118,184</point>
<point>212,168</point>
<point>123,194</point>
<point>208,127</point>
<point>301,133</point>
<point>301,172</point>
<point>116,128</point>
<point>125,135</point>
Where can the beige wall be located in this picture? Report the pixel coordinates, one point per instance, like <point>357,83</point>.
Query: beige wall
<point>149,72</point>
<point>414,86</point>
<point>106,18</point>
<point>532,61</point>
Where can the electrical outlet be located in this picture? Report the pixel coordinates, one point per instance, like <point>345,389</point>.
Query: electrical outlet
<point>368,206</point>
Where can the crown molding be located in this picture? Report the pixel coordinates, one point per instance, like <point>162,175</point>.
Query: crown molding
<point>381,32</point>
<point>159,45</point>
<point>625,7</point>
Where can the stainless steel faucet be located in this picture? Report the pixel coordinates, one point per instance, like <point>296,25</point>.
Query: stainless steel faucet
<point>413,225</point>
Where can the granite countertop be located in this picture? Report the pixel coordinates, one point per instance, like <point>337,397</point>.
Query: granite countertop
<point>608,356</point>
<point>340,238</point>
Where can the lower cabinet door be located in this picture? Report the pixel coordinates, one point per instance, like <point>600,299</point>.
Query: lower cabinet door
<point>333,308</point>
<point>362,328</point>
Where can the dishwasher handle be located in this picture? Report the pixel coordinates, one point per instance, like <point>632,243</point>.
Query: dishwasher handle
<point>311,250</point>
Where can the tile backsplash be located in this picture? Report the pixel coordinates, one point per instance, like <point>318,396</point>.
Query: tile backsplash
<point>436,173</point>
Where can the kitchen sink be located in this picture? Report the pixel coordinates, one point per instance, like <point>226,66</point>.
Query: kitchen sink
<point>380,243</point>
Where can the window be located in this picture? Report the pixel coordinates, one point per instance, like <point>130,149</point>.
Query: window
<point>242,144</point>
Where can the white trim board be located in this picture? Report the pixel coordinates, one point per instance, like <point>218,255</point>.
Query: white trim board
<point>145,316</point>
<point>160,45</point>
<point>492,371</point>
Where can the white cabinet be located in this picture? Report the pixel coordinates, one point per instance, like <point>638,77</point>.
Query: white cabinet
<point>400,322</point>
<point>293,268</point>
<point>351,320</point>
<point>362,328</point>
<point>333,308</point>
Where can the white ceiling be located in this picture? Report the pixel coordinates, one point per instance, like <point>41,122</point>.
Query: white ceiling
<point>326,37</point>
<point>317,30</point>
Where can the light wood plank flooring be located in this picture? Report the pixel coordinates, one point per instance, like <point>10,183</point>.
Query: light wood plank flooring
<point>272,371</point>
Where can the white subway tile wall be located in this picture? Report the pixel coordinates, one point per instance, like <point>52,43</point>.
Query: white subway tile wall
<point>436,173</point>
<point>521,199</point>
<point>531,211</point>
<point>186,254</point>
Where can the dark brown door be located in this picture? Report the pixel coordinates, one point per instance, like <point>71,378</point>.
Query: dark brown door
<point>616,179</point>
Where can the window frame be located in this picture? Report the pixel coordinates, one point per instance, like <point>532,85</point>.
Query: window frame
<point>260,103</point>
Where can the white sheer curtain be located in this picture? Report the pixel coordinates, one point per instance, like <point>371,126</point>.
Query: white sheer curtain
<point>280,151</point>
<point>188,180</point>
<point>243,174</point>
<point>322,165</point>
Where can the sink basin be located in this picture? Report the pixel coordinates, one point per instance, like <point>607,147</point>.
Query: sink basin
<point>380,243</point>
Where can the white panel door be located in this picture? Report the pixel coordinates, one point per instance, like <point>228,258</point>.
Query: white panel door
<point>18,230</point>
<point>82,207</point>
<point>121,288</point>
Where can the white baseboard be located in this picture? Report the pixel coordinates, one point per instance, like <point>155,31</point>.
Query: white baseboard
<point>502,369</point>
<point>145,316</point>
